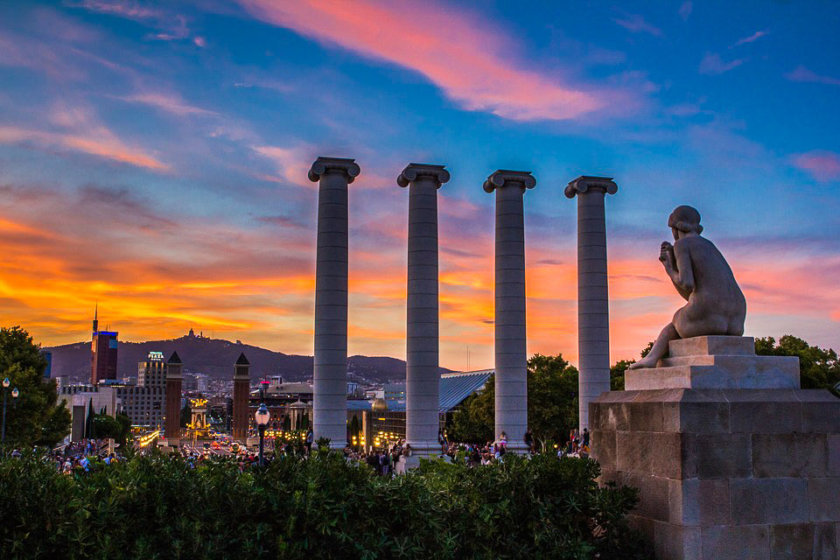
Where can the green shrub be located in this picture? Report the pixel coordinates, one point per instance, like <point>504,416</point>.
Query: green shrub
<point>323,507</point>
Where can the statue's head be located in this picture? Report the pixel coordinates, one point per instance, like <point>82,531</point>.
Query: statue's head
<point>685,219</point>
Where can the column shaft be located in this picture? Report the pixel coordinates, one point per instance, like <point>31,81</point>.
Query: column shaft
<point>593,295</point>
<point>330,362</point>
<point>422,381</point>
<point>422,327</point>
<point>511,380</point>
<point>593,302</point>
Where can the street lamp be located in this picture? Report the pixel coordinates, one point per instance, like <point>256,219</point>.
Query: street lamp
<point>262,416</point>
<point>15,394</point>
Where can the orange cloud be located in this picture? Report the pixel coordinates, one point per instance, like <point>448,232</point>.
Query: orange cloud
<point>156,275</point>
<point>464,56</point>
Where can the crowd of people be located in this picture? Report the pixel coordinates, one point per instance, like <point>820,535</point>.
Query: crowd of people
<point>79,455</point>
<point>384,460</point>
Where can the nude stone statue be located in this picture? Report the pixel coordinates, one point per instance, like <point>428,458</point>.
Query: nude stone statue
<point>716,305</point>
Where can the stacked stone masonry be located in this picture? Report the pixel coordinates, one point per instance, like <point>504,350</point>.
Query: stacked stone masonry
<point>726,473</point>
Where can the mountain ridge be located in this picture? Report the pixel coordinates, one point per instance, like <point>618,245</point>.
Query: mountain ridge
<point>215,357</point>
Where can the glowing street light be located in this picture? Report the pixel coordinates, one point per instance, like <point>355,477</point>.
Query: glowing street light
<point>15,394</point>
<point>262,416</point>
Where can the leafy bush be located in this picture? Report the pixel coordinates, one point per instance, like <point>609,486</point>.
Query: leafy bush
<point>323,507</point>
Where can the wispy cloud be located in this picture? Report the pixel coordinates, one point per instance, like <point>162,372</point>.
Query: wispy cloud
<point>751,39</point>
<point>822,165</point>
<point>291,164</point>
<point>168,102</point>
<point>685,10</point>
<point>637,24</point>
<point>101,143</point>
<point>802,74</point>
<point>712,64</point>
<point>121,8</point>
<point>170,27</point>
<point>450,48</point>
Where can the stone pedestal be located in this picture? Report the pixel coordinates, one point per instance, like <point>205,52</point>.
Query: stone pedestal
<point>726,471</point>
<point>716,362</point>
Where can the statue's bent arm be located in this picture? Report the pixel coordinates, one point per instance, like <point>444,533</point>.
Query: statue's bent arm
<point>683,276</point>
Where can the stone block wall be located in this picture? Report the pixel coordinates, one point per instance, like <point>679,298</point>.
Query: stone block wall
<point>728,473</point>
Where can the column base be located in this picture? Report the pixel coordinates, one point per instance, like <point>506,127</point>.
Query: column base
<point>517,447</point>
<point>425,448</point>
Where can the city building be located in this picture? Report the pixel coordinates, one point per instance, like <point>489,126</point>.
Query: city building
<point>81,398</point>
<point>103,355</point>
<point>290,403</point>
<point>382,419</point>
<point>145,402</point>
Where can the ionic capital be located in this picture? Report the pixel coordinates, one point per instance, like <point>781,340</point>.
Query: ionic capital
<point>324,165</point>
<point>584,183</point>
<point>417,170</point>
<point>503,177</point>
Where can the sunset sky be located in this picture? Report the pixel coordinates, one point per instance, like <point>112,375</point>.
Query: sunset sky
<point>154,158</point>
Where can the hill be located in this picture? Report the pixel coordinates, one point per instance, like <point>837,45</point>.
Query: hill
<point>215,357</point>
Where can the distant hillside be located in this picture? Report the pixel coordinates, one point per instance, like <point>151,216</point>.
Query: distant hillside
<point>216,357</point>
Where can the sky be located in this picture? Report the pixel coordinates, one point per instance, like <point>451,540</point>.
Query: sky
<point>154,158</point>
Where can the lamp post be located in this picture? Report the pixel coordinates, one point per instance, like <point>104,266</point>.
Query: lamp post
<point>262,416</point>
<point>15,394</point>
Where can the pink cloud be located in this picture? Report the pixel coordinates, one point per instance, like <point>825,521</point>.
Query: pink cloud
<point>637,24</point>
<point>712,64</point>
<point>166,102</point>
<point>469,61</point>
<point>821,165</point>
<point>802,74</point>
<point>685,10</point>
<point>752,38</point>
<point>291,164</point>
<point>130,10</point>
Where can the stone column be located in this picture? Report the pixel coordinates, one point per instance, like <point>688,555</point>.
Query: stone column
<point>593,297</point>
<point>511,345</point>
<point>422,382</point>
<point>241,392</point>
<point>330,364</point>
<point>172,426</point>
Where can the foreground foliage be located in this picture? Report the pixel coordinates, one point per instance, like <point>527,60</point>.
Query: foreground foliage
<point>157,507</point>
<point>34,417</point>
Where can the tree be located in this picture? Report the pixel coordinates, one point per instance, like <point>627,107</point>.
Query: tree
<point>125,429</point>
<point>34,417</point>
<point>473,420</point>
<point>89,428</point>
<point>818,368</point>
<point>617,373</point>
<point>552,398</point>
<point>105,426</point>
<point>186,415</point>
<point>552,404</point>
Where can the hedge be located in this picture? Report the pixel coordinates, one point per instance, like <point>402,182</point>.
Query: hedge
<point>322,507</point>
